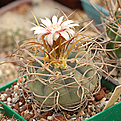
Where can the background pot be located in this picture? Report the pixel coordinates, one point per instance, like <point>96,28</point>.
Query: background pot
<point>74,4</point>
<point>92,12</point>
<point>5,2</point>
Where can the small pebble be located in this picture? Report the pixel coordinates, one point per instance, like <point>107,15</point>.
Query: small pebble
<point>108,95</point>
<point>15,95</point>
<point>74,117</point>
<point>8,94</point>
<point>89,110</point>
<point>67,115</point>
<point>16,106</point>
<point>28,116</point>
<point>9,99</point>
<point>92,107</point>
<point>20,103</point>
<point>93,113</point>
<point>49,118</point>
<point>26,111</point>
<point>98,110</point>
<point>81,113</point>
<point>14,100</point>
<point>9,104</point>
<point>15,87</point>
<point>88,116</point>
<point>3,97</point>
<point>100,95</point>
<point>13,105</point>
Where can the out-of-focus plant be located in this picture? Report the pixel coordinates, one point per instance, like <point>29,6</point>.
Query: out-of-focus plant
<point>12,29</point>
<point>113,28</point>
<point>7,72</point>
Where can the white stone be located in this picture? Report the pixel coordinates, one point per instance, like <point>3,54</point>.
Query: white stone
<point>15,95</point>
<point>31,113</point>
<point>103,100</point>
<point>28,101</point>
<point>3,96</point>
<point>49,117</point>
<point>13,105</point>
<point>15,99</point>
<point>8,103</point>
<point>20,103</point>
<point>20,89</point>
<point>9,99</point>
<point>15,87</point>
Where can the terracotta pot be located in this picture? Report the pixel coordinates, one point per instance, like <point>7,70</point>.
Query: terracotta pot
<point>5,2</point>
<point>74,4</point>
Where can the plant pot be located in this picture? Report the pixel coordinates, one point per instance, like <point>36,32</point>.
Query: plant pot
<point>74,4</point>
<point>92,12</point>
<point>5,2</point>
<point>9,112</point>
<point>111,114</point>
<point>106,115</point>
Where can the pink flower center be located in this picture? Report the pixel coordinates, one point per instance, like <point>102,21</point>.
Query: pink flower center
<point>54,29</point>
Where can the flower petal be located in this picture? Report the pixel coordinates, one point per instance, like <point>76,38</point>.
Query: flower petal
<point>38,30</point>
<point>44,22</point>
<point>70,31</point>
<point>34,28</point>
<point>55,36</point>
<point>49,39</point>
<point>60,20</point>
<point>65,23</point>
<point>54,20</point>
<point>64,35</point>
<point>48,21</point>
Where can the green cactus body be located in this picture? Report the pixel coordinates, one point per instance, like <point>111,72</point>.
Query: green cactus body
<point>68,86</point>
<point>114,37</point>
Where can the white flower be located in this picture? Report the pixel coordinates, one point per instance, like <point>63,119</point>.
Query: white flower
<point>53,30</point>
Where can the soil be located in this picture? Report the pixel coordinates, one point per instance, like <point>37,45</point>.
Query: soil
<point>22,103</point>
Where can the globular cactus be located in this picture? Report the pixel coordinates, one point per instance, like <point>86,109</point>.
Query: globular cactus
<point>113,28</point>
<point>67,86</point>
<point>59,71</point>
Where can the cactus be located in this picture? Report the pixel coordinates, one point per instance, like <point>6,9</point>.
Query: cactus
<point>69,76</point>
<point>59,68</point>
<point>113,29</point>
